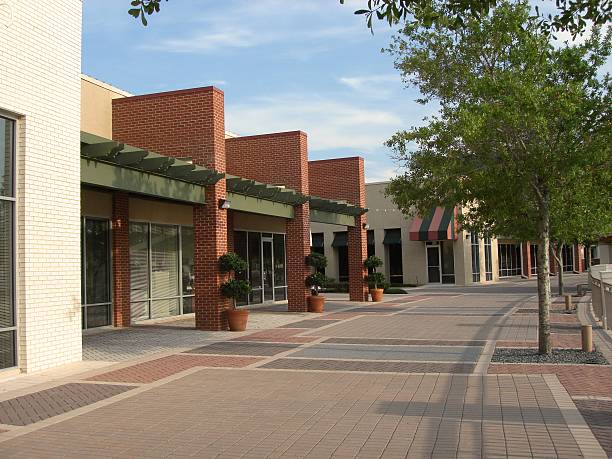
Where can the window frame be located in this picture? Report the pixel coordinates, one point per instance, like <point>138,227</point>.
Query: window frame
<point>11,198</point>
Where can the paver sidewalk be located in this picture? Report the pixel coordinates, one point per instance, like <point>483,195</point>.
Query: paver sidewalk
<point>387,380</point>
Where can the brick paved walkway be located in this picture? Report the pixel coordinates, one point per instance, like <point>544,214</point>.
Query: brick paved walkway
<point>407,378</point>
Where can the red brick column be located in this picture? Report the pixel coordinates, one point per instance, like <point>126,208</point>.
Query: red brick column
<point>357,253</point>
<point>230,231</point>
<point>297,247</point>
<point>579,258</point>
<point>210,242</point>
<point>552,262</point>
<point>527,262</point>
<point>121,259</point>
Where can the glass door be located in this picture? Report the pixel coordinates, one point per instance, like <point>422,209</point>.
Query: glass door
<point>268,267</point>
<point>433,264</point>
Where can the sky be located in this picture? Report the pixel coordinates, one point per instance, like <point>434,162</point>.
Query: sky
<point>309,65</point>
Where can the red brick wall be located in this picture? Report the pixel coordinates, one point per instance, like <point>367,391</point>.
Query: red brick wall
<point>344,179</point>
<point>340,179</point>
<point>527,261</point>
<point>188,124</point>
<point>277,159</point>
<point>121,259</point>
<point>183,124</point>
<point>297,247</point>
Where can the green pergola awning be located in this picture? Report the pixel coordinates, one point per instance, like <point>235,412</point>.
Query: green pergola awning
<point>118,154</point>
<point>254,189</point>
<point>338,207</point>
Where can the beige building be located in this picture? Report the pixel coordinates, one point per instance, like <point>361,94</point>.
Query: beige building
<point>40,251</point>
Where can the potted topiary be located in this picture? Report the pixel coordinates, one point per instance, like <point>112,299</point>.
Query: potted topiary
<point>375,279</point>
<point>316,281</point>
<point>235,288</point>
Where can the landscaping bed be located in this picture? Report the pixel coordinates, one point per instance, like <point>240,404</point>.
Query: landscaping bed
<point>523,355</point>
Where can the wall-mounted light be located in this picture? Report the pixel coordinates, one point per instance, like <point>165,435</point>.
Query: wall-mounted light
<point>224,203</point>
<point>365,226</point>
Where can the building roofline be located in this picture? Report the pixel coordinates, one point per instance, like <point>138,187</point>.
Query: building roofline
<point>384,182</point>
<point>270,134</point>
<point>172,93</point>
<point>105,85</point>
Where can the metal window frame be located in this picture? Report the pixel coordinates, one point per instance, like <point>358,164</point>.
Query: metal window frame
<point>475,243</point>
<point>12,199</point>
<point>84,303</point>
<point>488,253</point>
<point>180,296</point>
<point>510,269</point>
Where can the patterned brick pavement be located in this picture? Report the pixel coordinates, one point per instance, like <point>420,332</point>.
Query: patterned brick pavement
<point>376,367</point>
<point>405,342</point>
<point>310,323</point>
<point>560,341</point>
<point>243,348</point>
<point>594,380</point>
<point>153,370</point>
<point>598,414</point>
<point>279,335</point>
<point>31,408</point>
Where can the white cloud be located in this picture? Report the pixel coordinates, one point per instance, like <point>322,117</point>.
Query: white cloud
<point>378,86</point>
<point>329,123</point>
<point>379,171</point>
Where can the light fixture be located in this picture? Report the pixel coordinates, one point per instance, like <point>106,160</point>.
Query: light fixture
<point>224,203</point>
<point>365,226</point>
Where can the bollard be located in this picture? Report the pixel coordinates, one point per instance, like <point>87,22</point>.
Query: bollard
<point>568,303</point>
<point>587,338</point>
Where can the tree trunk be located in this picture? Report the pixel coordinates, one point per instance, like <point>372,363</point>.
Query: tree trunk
<point>544,341</point>
<point>558,252</point>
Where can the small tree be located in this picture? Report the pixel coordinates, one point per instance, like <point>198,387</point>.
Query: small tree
<point>317,280</point>
<point>374,279</point>
<point>234,288</point>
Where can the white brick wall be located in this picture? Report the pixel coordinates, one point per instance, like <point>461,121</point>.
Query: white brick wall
<point>40,59</point>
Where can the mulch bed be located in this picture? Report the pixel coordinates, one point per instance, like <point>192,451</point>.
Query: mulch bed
<point>522,355</point>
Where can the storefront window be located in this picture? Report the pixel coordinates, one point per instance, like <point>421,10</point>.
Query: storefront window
<point>7,264</point>
<point>533,249</point>
<point>488,259</point>
<point>393,243</point>
<point>475,257</point>
<point>96,273</point>
<point>448,262</point>
<point>509,256</point>
<point>568,258</point>
<point>161,270</point>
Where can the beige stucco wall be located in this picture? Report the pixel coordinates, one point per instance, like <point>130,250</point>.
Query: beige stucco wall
<point>158,211</point>
<point>254,222</point>
<point>40,77</point>
<point>96,106</point>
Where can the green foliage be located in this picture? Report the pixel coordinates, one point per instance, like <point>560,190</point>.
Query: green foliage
<point>376,280</point>
<point>373,263</point>
<point>522,142</point>
<point>316,282</point>
<point>140,8</point>
<point>231,262</point>
<point>570,16</point>
<point>316,261</point>
<point>235,288</point>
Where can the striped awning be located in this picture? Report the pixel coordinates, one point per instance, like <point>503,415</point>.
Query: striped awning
<point>438,225</point>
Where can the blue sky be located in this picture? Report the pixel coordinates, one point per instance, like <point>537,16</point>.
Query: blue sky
<point>307,64</point>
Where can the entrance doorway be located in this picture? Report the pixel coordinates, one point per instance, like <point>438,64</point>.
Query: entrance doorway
<point>265,255</point>
<point>440,262</point>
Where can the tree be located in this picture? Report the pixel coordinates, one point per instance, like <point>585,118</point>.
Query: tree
<point>571,15</point>
<point>522,140</point>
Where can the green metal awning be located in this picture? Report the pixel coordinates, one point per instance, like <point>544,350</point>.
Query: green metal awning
<point>117,165</point>
<point>393,236</point>
<point>340,239</point>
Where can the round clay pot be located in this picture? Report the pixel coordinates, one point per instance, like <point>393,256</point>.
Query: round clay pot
<point>316,303</point>
<point>377,294</point>
<point>237,319</point>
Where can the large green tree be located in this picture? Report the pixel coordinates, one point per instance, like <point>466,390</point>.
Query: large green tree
<point>522,140</point>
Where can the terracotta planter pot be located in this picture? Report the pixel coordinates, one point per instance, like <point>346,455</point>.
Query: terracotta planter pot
<point>316,303</point>
<point>377,294</point>
<point>237,319</point>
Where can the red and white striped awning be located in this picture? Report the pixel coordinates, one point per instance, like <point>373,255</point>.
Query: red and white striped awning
<point>439,225</point>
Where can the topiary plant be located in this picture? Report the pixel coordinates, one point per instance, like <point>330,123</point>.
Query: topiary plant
<point>233,288</point>
<point>376,280</point>
<point>373,263</point>
<point>316,261</point>
<point>316,282</point>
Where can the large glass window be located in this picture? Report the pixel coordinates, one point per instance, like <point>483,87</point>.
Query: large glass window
<point>567,253</point>
<point>7,264</point>
<point>448,262</point>
<point>475,257</point>
<point>393,243</point>
<point>533,250</point>
<point>266,258</point>
<point>488,259</point>
<point>509,259</point>
<point>95,276</point>
<point>161,270</point>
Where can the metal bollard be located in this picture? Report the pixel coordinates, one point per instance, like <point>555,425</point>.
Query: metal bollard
<point>568,303</point>
<point>587,338</point>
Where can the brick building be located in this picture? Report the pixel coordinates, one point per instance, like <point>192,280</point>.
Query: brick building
<point>166,191</point>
